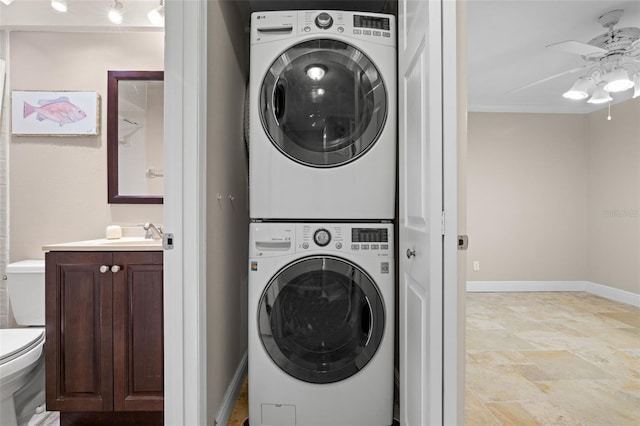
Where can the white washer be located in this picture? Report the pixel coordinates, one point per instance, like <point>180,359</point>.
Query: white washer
<point>321,310</point>
<point>322,115</point>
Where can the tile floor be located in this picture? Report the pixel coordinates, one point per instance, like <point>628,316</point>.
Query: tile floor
<point>551,359</point>
<point>546,359</point>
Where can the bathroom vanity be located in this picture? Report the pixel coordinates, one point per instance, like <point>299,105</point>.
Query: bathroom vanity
<point>104,332</point>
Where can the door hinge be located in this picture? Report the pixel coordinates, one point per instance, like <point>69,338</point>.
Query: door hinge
<point>167,241</point>
<point>442,223</point>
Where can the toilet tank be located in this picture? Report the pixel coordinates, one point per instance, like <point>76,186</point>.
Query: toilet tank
<point>25,284</point>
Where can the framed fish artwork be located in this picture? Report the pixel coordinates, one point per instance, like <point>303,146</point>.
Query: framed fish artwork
<point>63,113</point>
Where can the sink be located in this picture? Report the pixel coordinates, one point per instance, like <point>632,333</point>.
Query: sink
<point>103,244</point>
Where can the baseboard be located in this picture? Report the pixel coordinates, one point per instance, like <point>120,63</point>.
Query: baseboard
<point>607,292</point>
<point>231,395</point>
<point>614,294</point>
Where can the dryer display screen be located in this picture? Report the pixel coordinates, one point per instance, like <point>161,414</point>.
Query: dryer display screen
<point>369,235</point>
<point>360,21</point>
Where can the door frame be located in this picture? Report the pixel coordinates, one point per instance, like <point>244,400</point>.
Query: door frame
<point>185,339</point>
<point>184,215</point>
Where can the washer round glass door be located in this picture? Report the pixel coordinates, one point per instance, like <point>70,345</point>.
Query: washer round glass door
<point>323,103</point>
<point>321,319</point>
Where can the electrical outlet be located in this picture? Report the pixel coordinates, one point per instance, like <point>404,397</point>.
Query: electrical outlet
<point>476,265</point>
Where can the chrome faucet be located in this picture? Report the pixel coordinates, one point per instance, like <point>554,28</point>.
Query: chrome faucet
<point>150,228</point>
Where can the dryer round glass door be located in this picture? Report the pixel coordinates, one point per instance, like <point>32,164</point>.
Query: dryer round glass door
<point>323,103</point>
<point>321,319</point>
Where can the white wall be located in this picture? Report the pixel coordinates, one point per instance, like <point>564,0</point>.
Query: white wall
<point>556,197</point>
<point>227,218</point>
<point>527,197</point>
<point>613,255</point>
<point>58,186</point>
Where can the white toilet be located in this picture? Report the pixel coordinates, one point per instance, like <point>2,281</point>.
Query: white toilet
<point>22,394</point>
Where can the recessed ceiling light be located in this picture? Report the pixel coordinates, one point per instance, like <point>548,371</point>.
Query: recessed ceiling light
<point>116,13</point>
<point>59,5</point>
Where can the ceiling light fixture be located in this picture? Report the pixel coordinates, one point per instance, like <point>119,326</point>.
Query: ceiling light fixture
<point>580,89</point>
<point>604,79</point>
<point>116,13</point>
<point>59,5</point>
<point>600,96</point>
<point>7,2</point>
<point>636,85</point>
<point>156,16</point>
<point>617,81</point>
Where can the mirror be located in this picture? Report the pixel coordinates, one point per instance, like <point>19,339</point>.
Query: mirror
<point>135,137</point>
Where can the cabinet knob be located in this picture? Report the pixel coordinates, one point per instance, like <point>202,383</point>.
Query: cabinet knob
<point>115,268</point>
<point>104,269</point>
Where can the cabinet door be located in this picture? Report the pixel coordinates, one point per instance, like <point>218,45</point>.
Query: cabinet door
<point>138,331</point>
<point>78,352</point>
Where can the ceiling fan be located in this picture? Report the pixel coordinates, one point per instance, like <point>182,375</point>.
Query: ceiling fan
<point>610,58</point>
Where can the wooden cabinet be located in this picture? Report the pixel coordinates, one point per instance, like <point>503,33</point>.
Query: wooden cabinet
<point>104,325</point>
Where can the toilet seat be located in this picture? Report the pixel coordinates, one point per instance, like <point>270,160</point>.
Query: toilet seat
<point>18,344</point>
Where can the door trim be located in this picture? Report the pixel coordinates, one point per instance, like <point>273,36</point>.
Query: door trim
<point>184,213</point>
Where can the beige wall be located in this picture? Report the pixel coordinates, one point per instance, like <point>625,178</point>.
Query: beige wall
<point>527,197</point>
<point>556,197</point>
<point>613,255</point>
<point>227,219</point>
<point>58,186</point>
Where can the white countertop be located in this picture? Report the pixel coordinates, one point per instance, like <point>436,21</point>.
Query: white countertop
<point>103,244</point>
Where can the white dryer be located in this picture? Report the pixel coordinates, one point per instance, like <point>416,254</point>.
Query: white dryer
<point>322,115</point>
<point>321,309</point>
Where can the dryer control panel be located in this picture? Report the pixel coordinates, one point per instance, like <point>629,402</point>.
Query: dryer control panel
<point>362,239</point>
<point>276,25</point>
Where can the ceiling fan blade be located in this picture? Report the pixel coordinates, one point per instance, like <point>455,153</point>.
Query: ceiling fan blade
<point>579,48</point>
<point>551,77</point>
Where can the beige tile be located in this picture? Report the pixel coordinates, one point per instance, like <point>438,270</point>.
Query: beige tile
<point>632,319</point>
<point>595,402</point>
<point>499,340</point>
<point>501,383</point>
<point>512,413</point>
<point>496,358</point>
<point>481,322</point>
<point>620,338</point>
<point>476,414</point>
<point>565,365</point>
<point>549,414</point>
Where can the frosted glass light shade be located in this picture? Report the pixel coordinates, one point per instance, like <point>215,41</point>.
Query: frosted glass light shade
<point>617,81</point>
<point>156,16</point>
<point>600,96</point>
<point>580,89</point>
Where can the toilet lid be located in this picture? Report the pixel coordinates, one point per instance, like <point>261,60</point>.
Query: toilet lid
<point>16,341</point>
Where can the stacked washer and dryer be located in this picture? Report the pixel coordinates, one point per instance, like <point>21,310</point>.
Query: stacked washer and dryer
<point>322,200</point>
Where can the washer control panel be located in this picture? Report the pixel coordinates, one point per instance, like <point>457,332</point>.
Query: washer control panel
<point>363,239</point>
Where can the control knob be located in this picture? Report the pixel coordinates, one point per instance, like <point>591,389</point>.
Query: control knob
<point>324,21</point>
<point>322,237</point>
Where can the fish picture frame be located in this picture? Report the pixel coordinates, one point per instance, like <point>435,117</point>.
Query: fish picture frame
<point>55,113</point>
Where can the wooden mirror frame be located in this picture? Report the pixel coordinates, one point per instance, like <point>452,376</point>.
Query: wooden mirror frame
<point>113,79</point>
